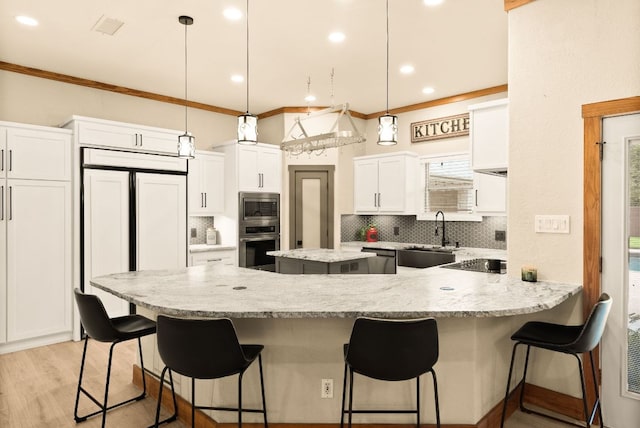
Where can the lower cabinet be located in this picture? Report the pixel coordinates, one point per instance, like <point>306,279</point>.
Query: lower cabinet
<point>296,266</point>
<point>225,257</point>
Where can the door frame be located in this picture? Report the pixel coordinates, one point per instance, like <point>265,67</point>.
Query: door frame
<point>330,170</point>
<point>592,115</point>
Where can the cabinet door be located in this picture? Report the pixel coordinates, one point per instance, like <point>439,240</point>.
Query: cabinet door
<point>38,258</point>
<point>3,257</point>
<point>490,136</point>
<point>392,184</point>
<point>365,185</point>
<point>490,194</point>
<point>213,183</point>
<point>269,165</point>
<point>38,155</point>
<point>156,141</point>
<point>161,224</point>
<point>100,134</point>
<point>196,190</point>
<point>106,232</point>
<point>248,177</point>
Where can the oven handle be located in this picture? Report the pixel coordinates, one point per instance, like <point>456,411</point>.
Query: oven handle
<point>260,238</point>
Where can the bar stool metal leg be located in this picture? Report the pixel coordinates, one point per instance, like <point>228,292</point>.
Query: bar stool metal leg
<point>175,402</point>
<point>264,402</point>
<point>435,393</point>
<point>418,400</point>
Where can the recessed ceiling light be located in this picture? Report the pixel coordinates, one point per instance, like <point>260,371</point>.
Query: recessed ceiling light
<point>428,90</point>
<point>232,14</point>
<point>238,78</point>
<point>27,20</point>
<point>433,2</point>
<point>310,98</point>
<point>407,69</point>
<point>337,37</point>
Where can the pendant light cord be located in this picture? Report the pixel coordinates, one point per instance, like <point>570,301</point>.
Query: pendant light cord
<point>387,56</point>
<point>247,56</point>
<point>186,127</point>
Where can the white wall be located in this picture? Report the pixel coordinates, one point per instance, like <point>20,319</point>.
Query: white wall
<point>562,54</point>
<point>28,99</point>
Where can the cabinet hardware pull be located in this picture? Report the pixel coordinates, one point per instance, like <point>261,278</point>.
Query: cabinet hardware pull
<point>10,160</point>
<point>136,142</point>
<point>140,140</point>
<point>2,163</point>
<point>375,200</point>
<point>201,200</point>
<point>205,199</point>
<point>476,197</point>
<point>10,203</point>
<point>379,200</point>
<point>2,201</point>
<point>214,260</point>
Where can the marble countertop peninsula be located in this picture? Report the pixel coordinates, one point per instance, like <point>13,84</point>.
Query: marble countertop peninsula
<point>323,255</point>
<point>228,291</point>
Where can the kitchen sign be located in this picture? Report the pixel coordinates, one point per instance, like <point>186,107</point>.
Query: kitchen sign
<point>444,127</point>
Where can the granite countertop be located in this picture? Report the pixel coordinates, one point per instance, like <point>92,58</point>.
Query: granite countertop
<point>228,291</point>
<point>201,248</point>
<point>323,255</point>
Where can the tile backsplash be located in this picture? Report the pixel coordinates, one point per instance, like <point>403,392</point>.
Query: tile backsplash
<point>467,233</point>
<point>200,224</point>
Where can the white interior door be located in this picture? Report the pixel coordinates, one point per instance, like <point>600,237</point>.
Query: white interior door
<point>161,221</point>
<point>106,232</point>
<point>621,270</point>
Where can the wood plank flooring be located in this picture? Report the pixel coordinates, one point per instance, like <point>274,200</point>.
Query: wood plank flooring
<point>37,389</point>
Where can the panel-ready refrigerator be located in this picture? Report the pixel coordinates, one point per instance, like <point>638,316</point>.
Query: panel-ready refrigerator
<point>134,217</point>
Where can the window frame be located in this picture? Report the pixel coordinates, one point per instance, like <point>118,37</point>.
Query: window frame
<point>421,214</point>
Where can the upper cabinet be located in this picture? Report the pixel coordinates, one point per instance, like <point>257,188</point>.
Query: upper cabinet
<point>259,168</point>
<point>91,132</point>
<point>385,183</point>
<point>206,184</point>
<point>490,194</point>
<point>252,168</point>
<point>490,136</point>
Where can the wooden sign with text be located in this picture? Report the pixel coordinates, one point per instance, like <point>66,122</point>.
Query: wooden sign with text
<point>444,127</point>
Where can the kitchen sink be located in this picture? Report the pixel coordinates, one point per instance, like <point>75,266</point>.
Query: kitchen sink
<point>424,257</point>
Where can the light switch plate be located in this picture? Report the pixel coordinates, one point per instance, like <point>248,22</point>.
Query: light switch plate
<point>552,224</point>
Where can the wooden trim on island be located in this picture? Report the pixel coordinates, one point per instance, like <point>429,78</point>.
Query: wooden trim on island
<point>535,395</point>
<point>512,4</point>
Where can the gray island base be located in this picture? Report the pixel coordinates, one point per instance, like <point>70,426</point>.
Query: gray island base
<point>303,321</point>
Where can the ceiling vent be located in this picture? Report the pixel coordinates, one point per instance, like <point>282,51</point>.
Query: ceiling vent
<point>106,25</point>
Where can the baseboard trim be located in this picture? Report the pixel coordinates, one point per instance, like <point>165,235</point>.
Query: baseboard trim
<point>535,395</point>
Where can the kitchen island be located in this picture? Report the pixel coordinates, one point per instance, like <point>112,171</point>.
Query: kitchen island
<point>303,321</point>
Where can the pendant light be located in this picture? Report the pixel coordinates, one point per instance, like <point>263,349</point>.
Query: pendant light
<point>387,124</point>
<point>247,123</point>
<point>186,141</point>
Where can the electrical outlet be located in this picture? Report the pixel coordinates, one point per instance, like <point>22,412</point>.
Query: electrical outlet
<point>396,230</point>
<point>327,388</point>
<point>194,232</point>
<point>501,235</point>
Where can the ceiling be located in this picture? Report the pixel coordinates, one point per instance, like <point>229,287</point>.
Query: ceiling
<point>456,47</point>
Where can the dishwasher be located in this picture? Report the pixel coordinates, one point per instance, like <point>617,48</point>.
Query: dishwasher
<point>384,262</point>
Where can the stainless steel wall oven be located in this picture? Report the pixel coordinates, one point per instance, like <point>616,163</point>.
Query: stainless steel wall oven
<point>259,229</point>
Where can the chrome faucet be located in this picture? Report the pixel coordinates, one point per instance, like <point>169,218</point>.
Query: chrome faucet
<point>444,236</point>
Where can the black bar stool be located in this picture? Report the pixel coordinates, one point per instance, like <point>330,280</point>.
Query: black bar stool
<point>206,349</point>
<point>391,350</point>
<point>573,340</point>
<point>100,327</point>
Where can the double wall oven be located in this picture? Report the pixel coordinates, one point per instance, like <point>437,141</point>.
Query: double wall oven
<point>258,229</point>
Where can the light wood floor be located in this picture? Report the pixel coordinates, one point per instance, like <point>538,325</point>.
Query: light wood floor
<point>38,386</point>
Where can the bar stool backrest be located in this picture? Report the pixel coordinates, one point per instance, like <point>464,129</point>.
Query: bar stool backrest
<point>393,350</point>
<point>200,348</point>
<point>594,326</point>
<point>94,317</point>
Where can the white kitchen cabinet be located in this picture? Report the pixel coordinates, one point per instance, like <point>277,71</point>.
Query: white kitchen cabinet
<point>259,168</point>
<point>206,184</point>
<point>91,132</point>
<point>490,194</point>
<point>226,257</point>
<point>35,236</point>
<point>490,136</point>
<point>385,183</point>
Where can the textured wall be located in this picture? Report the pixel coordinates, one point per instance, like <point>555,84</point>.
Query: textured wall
<point>467,233</point>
